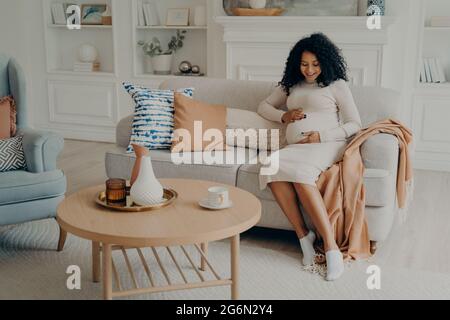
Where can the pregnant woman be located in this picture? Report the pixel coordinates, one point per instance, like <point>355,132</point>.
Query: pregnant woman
<point>322,117</point>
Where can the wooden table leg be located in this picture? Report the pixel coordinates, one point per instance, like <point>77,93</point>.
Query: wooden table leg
<point>107,271</point>
<point>235,267</point>
<point>204,247</point>
<point>96,267</point>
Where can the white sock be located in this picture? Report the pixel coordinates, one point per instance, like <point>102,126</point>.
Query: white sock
<point>335,264</point>
<point>307,244</point>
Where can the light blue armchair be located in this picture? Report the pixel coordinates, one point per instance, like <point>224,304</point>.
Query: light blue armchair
<point>35,193</point>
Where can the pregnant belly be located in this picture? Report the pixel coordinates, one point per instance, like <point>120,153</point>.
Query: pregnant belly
<point>315,121</point>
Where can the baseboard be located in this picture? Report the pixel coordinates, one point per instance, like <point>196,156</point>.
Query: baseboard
<point>433,165</point>
<point>85,133</point>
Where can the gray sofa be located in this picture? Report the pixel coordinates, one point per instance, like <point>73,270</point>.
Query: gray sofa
<point>380,153</point>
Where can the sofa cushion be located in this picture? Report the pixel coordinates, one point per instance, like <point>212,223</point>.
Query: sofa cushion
<point>153,116</point>
<point>378,184</point>
<point>243,125</point>
<point>12,156</point>
<point>21,186</point>
<point>119,164</point>
<point>211,117</point>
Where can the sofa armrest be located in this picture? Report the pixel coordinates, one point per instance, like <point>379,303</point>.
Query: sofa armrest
<point>41,149</point>
<point>123,131</point>
<point>381,151</point>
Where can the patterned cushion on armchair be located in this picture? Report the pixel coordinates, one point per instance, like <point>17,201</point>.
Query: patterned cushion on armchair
<point>12,156</point>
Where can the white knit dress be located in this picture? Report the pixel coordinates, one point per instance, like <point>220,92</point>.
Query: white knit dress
<point>330,110</point>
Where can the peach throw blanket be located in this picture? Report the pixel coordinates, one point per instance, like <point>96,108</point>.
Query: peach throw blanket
<point>343,190</point>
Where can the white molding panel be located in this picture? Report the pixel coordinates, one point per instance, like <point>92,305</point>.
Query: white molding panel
<point>83,103</point>
<point>432,133</point>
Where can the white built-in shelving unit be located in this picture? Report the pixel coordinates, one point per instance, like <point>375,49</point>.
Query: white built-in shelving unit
<point>431,101</point>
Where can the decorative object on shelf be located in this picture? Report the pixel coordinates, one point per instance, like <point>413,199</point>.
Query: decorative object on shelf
<point>86,66</point>
<point>375,7</point>
<point>116,192</point>
<point>257,4</point>
<point>185,67</point>
<point>177,17</point>
<point>200,16</point>
<point>158,60</point>
<point>195,69</point>
<point>91,14</point>
<point>87,53</point>
<point>107,17</point>
<point>254,7</point>
<point>145,188</point>
<point>258,12</point>
<point>321,8</point>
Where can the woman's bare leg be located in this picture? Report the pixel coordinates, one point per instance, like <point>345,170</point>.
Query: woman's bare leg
<point>312,200</point>
<point>286,197</point>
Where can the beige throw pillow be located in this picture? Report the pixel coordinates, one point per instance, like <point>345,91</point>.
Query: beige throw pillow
<point>208,116</point>
<point>243,130</point>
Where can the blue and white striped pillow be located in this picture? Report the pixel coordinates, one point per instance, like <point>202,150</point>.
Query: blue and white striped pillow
<point>153,117</point>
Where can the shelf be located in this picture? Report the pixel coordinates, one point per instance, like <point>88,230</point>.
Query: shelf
<point>85,74</point>
<point>428,28</point>
<point>434,88</point>
<point>63,26</point>
<point>169,76</point>
<point>172,27</point>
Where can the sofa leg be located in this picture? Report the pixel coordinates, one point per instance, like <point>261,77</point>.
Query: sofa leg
<point>62,239</point>
<point>373,247</point>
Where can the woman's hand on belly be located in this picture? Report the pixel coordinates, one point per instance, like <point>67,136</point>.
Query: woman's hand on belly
<point>310,137</point>
<point>293,115</point>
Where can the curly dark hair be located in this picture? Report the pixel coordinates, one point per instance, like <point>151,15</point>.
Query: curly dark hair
<point>332,63</point>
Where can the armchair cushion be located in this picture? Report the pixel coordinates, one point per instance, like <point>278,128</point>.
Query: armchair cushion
<point>21,186</point>
<point>11,154</point>
<point>41,149</point>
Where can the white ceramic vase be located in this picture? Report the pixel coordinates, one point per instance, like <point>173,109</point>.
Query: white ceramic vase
<point>146,190</point>
<point>257,4</point>
<point>161,64</point>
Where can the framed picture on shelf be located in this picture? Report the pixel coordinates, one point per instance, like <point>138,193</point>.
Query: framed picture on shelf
<point>92,13</point>
<point>177,17</point>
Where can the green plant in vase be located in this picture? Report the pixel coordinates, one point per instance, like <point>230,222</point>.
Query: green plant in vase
<point>160,60</point>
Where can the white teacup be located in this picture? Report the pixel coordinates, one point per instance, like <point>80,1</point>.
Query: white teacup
<point>218,196</point>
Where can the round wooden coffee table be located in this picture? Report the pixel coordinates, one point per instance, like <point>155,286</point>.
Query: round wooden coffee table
<point>180,224</point>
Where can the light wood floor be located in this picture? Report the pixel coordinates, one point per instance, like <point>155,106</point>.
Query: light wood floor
<point>422,243</point>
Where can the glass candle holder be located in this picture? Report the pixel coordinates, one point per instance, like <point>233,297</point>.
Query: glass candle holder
<point>116,192</point>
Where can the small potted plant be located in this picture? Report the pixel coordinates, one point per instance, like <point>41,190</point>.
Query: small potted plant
<point>159,60</point>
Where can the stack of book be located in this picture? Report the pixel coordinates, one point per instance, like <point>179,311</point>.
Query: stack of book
<point>58,14</point>
<point>86,67</point>
<point>147,14</point>
<point>431,71</point>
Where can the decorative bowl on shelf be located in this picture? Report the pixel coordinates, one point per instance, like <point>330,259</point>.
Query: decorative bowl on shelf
<point>257,12</point>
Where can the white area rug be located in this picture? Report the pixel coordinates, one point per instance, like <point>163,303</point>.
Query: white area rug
<point>30,268</point>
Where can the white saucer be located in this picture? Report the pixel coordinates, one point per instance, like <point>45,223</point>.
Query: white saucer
<point>205,204</point>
